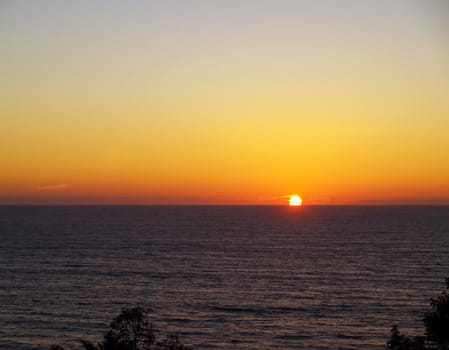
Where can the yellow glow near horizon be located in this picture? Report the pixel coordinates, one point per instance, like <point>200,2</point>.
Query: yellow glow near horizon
<point>295,201</point>
<point>224,102</point>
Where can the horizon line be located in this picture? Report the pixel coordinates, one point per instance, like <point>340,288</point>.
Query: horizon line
<point>436,204</point>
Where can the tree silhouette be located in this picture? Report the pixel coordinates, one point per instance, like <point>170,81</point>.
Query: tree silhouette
<point>401,342</point>
<point>436,324</point>
<point>437,321</point>
<point>131,330</point>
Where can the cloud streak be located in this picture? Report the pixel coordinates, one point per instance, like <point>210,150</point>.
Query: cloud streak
<point>55,187</point>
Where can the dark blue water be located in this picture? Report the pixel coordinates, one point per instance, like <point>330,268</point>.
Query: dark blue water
<point>221,277</point>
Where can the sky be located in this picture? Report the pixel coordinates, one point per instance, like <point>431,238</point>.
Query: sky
<point>224,102</point>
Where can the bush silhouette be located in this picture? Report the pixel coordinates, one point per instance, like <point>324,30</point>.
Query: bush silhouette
<point>401,342</point>
<point>131,330</point>
<point>437,321</point>
<point>436,324</point>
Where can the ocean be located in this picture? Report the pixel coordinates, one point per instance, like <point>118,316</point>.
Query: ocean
<point>222,277</point>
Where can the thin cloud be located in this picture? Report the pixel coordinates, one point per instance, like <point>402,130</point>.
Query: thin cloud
<point>51,187</point>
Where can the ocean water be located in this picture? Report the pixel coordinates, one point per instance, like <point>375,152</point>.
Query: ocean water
<point>221,277</point>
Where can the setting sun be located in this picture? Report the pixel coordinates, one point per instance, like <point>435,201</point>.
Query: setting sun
<point>243,104</point>
<point>295,201</point>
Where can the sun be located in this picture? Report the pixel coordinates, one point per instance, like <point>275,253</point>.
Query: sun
<point>295,200</point>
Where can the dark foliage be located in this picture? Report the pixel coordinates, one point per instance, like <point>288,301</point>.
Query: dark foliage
<point>437,321</point>
<point>401,342</point>
<point>131,330</point>
<point>171,342</point>
<point>436,324</point>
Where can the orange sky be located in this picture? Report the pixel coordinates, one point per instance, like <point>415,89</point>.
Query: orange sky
<point>224,103</point>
